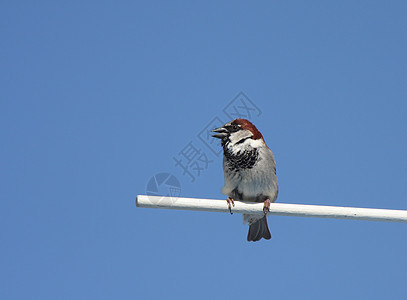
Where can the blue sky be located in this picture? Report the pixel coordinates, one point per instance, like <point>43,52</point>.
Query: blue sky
<point>98,97</point>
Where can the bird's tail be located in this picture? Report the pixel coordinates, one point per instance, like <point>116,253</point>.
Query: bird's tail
<point>258,229</point>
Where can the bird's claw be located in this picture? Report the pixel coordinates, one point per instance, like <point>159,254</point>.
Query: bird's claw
<point>266,207</point>
<point>230,202</point>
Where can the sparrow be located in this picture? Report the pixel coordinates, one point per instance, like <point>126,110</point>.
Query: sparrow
<point>250,172</point>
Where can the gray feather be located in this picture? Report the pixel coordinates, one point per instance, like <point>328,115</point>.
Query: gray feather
<point>258,230</point>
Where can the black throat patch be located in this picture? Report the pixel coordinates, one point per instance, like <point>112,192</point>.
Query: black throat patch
<point>241,160</point>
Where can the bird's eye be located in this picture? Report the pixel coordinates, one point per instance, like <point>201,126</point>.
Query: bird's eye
<point>233,128</point>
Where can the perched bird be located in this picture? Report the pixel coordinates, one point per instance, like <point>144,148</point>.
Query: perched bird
<point>250,172</point>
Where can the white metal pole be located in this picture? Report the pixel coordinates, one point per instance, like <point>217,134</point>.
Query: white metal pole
<point>281,209</point>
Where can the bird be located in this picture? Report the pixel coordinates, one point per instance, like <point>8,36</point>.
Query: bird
<point>250,172</point>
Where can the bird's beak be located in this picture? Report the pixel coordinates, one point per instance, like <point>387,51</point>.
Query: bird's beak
<point>221,132</point>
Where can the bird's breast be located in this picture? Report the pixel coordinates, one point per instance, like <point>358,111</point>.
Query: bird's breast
<point>241,160</point>
<point>250,174</point>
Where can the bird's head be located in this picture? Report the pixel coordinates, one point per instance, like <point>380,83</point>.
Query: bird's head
<point>237,131</point>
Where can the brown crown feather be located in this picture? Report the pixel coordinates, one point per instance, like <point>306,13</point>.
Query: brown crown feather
<point>246,124</point>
